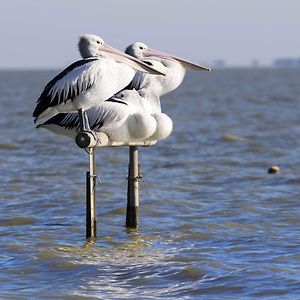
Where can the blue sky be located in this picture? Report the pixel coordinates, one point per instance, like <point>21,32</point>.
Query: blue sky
<point>44,33</point>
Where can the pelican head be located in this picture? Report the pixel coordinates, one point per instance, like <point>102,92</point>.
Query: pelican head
<point>142,51</point>
<point>137,50</point>
<point>90,45</point>
<point>126,95</point>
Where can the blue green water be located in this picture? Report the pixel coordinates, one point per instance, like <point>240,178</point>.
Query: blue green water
<point>213,223</point>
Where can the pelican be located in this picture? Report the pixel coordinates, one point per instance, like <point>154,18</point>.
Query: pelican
<point>124,117</point>
<point>174,66</point>
<point>103,72</point>
<point>152,87</point>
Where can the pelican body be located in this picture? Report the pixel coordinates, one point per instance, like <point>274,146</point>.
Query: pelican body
<point>124,118</point>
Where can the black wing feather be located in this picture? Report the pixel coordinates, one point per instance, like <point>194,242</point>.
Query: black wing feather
<point>67,120</point>
<point>45,100</point>
<point>71,121</point>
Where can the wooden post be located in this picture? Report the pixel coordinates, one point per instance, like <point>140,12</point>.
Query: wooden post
<point>133,188</point>
<point>91,215</point>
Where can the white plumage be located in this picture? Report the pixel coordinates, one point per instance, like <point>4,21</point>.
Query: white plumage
<point>174,68</point>
<point>124,118</point>
<point>88,82</point>
<point>152,87</point>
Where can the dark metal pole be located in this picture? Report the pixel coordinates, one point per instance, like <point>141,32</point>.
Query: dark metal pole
<point>91,215</point>
<point>133,188</point>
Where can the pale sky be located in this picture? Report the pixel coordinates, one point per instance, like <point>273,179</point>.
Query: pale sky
<point>44,33</point>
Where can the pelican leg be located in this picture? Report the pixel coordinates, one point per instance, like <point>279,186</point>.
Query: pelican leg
<point>81,120</point>
<point>86,122</point>
<point>84,125</point>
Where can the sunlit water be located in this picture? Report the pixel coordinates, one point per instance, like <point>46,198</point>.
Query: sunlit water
<point>213,223</point>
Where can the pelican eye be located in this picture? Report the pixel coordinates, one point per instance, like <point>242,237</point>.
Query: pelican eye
<point>148,62</point>
<point>141,47</point>
<point>98,42</point>
<point>122,95</point>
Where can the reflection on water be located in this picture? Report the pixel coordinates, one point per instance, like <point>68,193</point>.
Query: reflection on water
<point>214,223</point>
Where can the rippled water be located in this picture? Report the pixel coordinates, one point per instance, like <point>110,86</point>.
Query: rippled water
<point>213,225</point>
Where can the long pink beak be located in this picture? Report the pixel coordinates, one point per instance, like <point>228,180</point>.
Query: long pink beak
<point>131,61</point>
<point>186,63</point>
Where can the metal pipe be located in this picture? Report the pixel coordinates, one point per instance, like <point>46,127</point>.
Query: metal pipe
<point>133,188</point>
<point>91,215</point>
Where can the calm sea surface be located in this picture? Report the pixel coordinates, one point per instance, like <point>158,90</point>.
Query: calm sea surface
<point>213,223</point>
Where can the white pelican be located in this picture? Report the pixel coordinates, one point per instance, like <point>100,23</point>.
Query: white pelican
<point>124,118</point>
<point>89,81</point>
<point>175,68</point>
<point>152,87</point>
